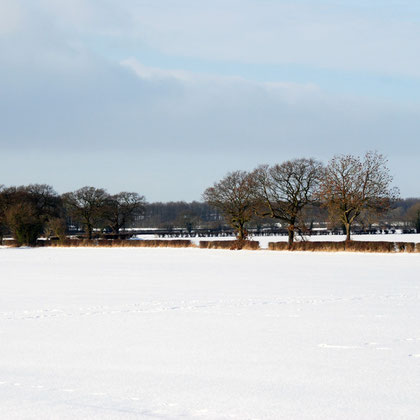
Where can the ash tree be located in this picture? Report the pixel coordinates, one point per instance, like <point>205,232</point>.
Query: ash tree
<point>233,196</point>
<point>353,186</point>
<point>122,208</point>
<point>87,206</point>
<point>283,190</point>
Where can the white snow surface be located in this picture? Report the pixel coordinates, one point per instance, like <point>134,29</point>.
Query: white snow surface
<point>138,333</point>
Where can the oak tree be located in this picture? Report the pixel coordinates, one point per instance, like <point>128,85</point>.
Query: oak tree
<point>352,185</point>
<point>234,197</point>
<point>122,208</point>
<point>283,190</point>
<point>86,206</point>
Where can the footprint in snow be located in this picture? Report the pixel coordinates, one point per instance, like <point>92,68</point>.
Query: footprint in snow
<point>333,346</point>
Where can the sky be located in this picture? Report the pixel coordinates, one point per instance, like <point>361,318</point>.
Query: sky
<point>164,97</point>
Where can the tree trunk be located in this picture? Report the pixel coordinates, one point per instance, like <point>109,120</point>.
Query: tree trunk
<point>347,225</point>
<point>240,233</point>
<point>89,229</point>
<point>291,235</point>
<point>115,229</point>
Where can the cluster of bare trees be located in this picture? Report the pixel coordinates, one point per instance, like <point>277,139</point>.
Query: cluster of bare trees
<point>94,208</point>
<point>348,186</point>
<point>34,210</point>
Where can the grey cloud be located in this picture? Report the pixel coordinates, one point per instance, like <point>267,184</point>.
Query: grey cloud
<point>326,34</point>
<point>108,106</point>
<point>169,133</point>
<point>322,34</point>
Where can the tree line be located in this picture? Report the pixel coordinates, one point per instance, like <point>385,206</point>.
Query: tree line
<point>348,187</point>
<point>34,210</point>
<point>295,194</point>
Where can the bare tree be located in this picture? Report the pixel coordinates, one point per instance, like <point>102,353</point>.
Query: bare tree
<point>122,208</point>
<point>283,190</point>
<point>234,197</point>
<point>45,199</point>
<point>87,205</point>
<point>352,186</point>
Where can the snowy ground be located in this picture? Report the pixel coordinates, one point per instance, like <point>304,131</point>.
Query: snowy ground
<point>264,240</point>
<point>135,333</point>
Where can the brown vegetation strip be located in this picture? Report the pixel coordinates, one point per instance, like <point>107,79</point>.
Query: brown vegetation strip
<point>349,246</point>
<point>241,244</point>
<point>315,246</point>
<point>152,243</point>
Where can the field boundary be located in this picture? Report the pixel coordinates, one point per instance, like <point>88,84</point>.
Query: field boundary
<point>310,246</point>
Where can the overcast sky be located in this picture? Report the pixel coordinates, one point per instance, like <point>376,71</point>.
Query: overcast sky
<point>164,97</point>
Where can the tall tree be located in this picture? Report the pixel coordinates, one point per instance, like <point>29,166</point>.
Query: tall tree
<point>283,190</point>
<point>87,206</point>
<point>233,196</point>
<point>122,208</point>
<point>352,185</point>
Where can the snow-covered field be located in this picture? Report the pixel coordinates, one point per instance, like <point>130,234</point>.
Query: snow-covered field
<point>133,333</point>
